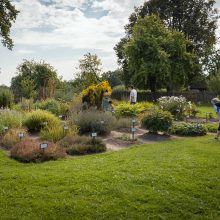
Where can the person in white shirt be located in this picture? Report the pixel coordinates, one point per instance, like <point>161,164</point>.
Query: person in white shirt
<point>216,103</point>
<point>133,95</point>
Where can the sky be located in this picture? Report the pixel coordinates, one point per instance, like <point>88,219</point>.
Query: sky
<point>60,32</point>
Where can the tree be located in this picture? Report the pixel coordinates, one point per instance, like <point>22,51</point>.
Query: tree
<point>113,77</point>
<point>34,79</point>
<point>90,70</point>
<point>8,15</point>
<point>196,19</point>
<point>157,57</point>
<point>214,83</point>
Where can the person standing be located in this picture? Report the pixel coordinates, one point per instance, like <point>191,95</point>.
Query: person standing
<point>133,95</point>
<point>105,102</point>
<point>216,103</point>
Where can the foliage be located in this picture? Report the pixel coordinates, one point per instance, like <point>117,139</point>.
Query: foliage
<point>50,105</point>
<point>93,95</point>
<point>90,71</point>
<point>123,123</point>
<point>197,20</point>
<point>34,79</point>
<point>188,129</point>
<point>11,137</point>
<point>38,119</point>
<point>211,127</point>
<point>125,109</point>
<point>29,151</point>
<point>10,119</point>
<point>157,56</point>
<point>214,83</point>
<point>79,145</point>
<point>91,121</point>
<point>57,133</point>
<point>157,120</point>
<point>177,106</point>
<point>6,98</point>
<point>24,105</point>
<point>8,16</point>
<point>113,77</point>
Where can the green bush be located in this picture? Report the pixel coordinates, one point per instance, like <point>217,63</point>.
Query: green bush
<point>10,119</point>
<point>57,133</point>
<point>188,129</point>
<point>11,137</point>
<point>125,109</point>
<point>177,106</point>
<point>89,121</point>
<point>80,145</point>
<point>212,128</point>
<point>50,105</point>
<point>6,98</point>
<point>29,151</point>
<point>24,105</point>
<point>157,120</point>
<point>38,119</point>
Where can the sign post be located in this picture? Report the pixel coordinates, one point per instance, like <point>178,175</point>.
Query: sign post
<point>21,135</point>
<point>43,146</point>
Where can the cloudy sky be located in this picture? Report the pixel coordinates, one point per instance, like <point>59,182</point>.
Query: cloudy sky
<point>62,31</point>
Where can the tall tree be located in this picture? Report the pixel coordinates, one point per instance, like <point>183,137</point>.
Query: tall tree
<point>157,57</point>
<point>8,15</point>
<point>89,70</point>
<point>196,19</point>
<point>113,77</point>
<point>34,79</point>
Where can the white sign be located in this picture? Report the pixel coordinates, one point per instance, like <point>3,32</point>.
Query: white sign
<point>5,128</point>
<point>102,122</point>
<point>133,120</point>
<point>66,127</point>
<point>43,145</point>
<point>133,129</point>
<point>60,116</point>
<point>94,134</point>
<point>45,123</point>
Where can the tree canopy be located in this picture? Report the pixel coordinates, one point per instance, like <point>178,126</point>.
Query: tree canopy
<point>34,80</point>
<point>157,56</point>
<point>8,15</point>
<point>196,19</point>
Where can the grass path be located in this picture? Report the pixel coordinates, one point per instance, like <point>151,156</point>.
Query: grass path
<point>179,179</point>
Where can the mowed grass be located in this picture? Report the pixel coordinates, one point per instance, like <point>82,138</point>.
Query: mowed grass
<point>203,110</point>
<point>178,179</point>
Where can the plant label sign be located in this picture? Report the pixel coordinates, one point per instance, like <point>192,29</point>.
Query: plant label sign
<point>133,120</point>
<point>43,146</point>
<point>133,129</point>
<point>94,134</point>
<point>5,128</point>
<point>66,127</point>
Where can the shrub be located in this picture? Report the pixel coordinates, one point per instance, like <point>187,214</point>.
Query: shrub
<point>123,123</point>
<point>125,109</point>
<point>50,105</point>
<point>89,121</point>
<point>10,119</point>
<point>24,105</point>
<point>11,138</point>
<point>188,129</point>
<point>79,145</point>
<point>35,120</point>
<point>6,98</point>
<point>177,106</point>
<point>157,120</point>
<point>29,151</point>
<point>57,133</point>
<point>212,128</point>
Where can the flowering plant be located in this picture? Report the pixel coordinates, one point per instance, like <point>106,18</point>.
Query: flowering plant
<point>177,106</point>
<point>94,94</point>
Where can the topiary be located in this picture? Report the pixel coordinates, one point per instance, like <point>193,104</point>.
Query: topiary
<point>157,120</point>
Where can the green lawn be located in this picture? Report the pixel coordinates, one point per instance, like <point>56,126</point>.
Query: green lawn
<point>203,110</point>
<point>172,180</point>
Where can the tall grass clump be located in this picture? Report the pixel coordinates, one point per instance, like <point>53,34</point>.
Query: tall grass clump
<point>6,98</point>
<point>38,119</point>
<point>11,119</point>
